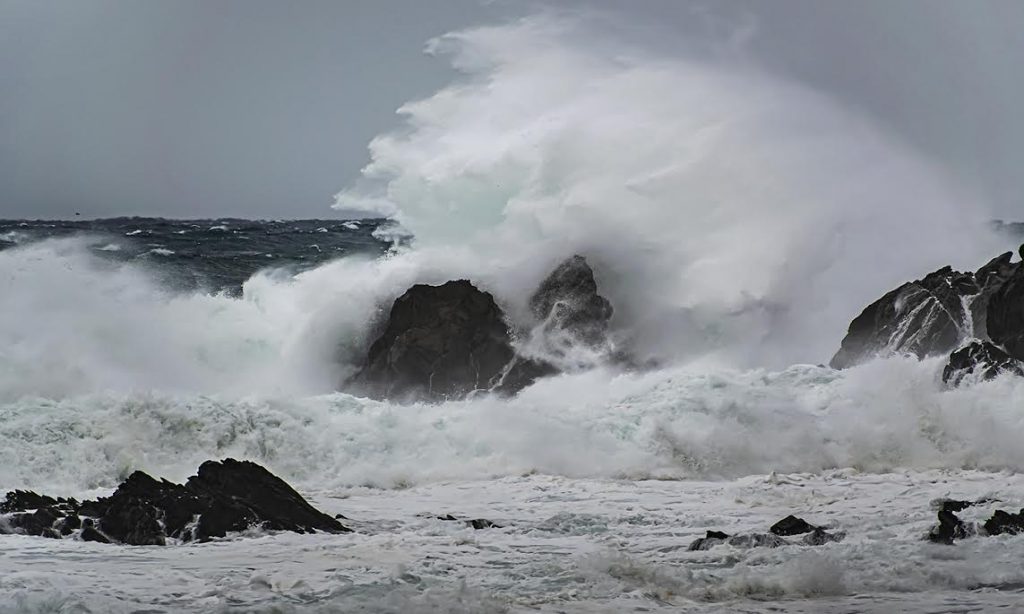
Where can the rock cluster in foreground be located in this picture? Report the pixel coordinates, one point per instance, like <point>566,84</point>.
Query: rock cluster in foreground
<point>449,341</point>
<point>977,318</point>
<point>223,497</point>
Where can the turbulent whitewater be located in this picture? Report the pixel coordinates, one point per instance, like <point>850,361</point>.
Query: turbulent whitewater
<point>737,223</point>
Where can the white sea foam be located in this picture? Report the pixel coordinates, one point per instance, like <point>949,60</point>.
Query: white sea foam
<point>727,211</point>
<point>736,221</point>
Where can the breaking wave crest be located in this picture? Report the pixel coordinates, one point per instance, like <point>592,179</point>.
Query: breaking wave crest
<point>736,221</point>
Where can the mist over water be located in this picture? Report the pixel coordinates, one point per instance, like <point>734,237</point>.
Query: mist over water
<point>730,214</point>
<point>736,221</point>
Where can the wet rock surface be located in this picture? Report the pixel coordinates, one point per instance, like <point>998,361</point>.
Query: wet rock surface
<point>979,360</point>
<point>921,318</point>
<point>446,342</point>
<point>976,318</point>
<point>572,311</point>
<point>223,497</point>
<point>790,526</point>
<point>951,528</point>
<point>440,342</point>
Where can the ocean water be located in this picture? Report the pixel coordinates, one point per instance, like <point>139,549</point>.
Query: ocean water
<point>736,221</point>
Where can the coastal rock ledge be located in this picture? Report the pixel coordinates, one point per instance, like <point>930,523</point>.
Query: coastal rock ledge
<point>226,496</point>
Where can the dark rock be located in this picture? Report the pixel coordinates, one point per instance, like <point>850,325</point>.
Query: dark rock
<point>572,311</point>
<point>224,496</point>
<point>133,521</point>
<point>757,540</point>
<point>39,522</point>
<point>791,525</point>
<point>569,314</point>
<point>820,537</point>
<point>989,278</point>
<point>921,318</point>
<point>139,503</point>
<point>23,500</point>
<point>440,342</point>
<point>949,528</point>
<point>1003,522</point>
<point>70,524</point>
<point>242,491</point>
<point>951,505</point>
<point>710,540</point>
<point>447,518</point>
<point>1005,314</point>
<point>90,534</point>
<point>980,359</point>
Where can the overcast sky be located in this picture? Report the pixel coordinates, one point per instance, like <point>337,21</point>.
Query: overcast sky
<point>261,108</point>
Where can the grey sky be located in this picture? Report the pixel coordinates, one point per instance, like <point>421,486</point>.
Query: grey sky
<point>264,108</point>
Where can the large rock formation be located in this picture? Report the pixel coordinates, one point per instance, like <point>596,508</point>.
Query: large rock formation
<point>978,317</point>
<point>440,342</point>
<point>923,318</point>
<point>223,497</point>
<point>445,342</point>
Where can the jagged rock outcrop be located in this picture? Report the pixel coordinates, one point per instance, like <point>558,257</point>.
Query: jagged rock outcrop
<point>990,278</point>
<point>979,360</point>
<point>1005,312</point>
<point>571,310</point>
<point>923,318</point>
<point>441,342</point>
<point>223,497</point>
<point>570,315</point>
<point>977,317</point>
<point>445,342</point>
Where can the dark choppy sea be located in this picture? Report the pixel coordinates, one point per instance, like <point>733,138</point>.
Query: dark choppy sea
<point>213,255</point>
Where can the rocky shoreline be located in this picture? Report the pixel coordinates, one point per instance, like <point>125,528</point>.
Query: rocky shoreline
<point>223,497</point>
<point>975,318</point>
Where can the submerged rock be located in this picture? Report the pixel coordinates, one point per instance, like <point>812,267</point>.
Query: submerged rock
<point>979,360</point>
<point>757,540</point>
<point>922,318</point>
<point>820,537</point>
<point>710,540</point>
<point>224,496</point>
<point>476,524</point>
<point>441,342</point>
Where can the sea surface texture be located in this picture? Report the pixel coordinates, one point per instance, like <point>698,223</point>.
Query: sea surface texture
<point>155,345</point>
